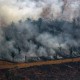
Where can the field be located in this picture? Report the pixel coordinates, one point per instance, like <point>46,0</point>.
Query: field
<point>68,71</point>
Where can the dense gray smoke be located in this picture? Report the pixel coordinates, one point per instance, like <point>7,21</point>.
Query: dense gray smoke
<point>39,40</point>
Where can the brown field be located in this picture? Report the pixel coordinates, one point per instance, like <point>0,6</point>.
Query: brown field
<point>6,64</point>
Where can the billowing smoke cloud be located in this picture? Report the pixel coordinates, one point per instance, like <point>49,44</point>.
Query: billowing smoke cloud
<point>38,40</point>
<point>19,9</point>
<point>14,10</point>
<point>39,29</point>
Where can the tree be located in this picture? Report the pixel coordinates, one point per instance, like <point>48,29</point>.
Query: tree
<point>13,55</point>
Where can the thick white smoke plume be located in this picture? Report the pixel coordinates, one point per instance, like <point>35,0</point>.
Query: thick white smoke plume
<point>14,10</point>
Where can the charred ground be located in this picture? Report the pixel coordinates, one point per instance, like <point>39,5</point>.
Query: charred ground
<point>68,71</point>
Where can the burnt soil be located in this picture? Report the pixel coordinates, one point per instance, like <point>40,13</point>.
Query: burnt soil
<point>68,71</point>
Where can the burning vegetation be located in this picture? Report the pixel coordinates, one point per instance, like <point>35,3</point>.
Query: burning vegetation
<point>33,40</point>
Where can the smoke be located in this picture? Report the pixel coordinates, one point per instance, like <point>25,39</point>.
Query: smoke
<point>50,9</point>
<point>38,30</point>
<point>15,10</point>
<point>39,39</point>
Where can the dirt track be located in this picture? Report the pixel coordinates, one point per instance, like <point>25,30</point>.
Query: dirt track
<point>5,64</point>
